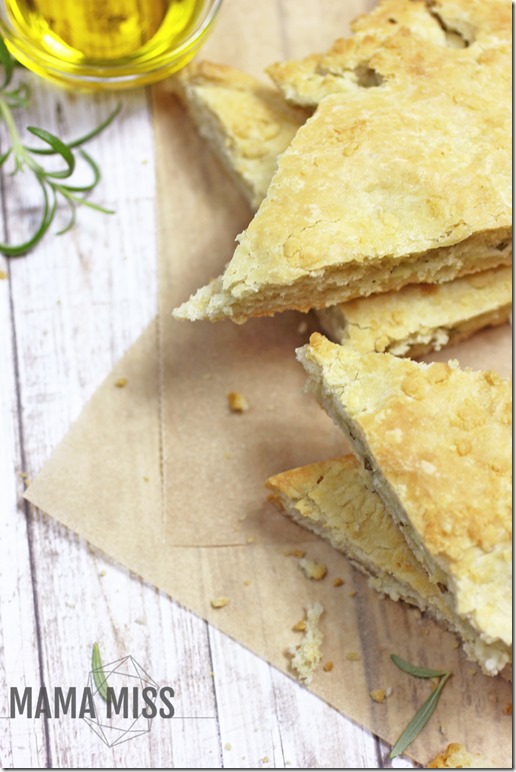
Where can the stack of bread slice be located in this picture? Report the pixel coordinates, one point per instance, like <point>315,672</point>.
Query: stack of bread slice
<point>380,173</point>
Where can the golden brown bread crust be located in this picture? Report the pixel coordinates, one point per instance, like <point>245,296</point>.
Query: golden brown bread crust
<point>357,62</point>
<point>419,318</point>
<point>438,442</point>
<point>246,122</point>
<point>336,500</point>
<point>242,121</point>
<point>402,183</point>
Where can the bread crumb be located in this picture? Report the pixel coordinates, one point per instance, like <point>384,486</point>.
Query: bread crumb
<point>250,539</point>
<point>456,644</point>
<point>102,573</point>
<point>507,711</point>
<point>120,383</point>
<point>228,454</point>
<point>247,582</point>
<point>472,671</point>
<point>456,756</point>
<point>328,666</point>
<point>237,402</point>
<point>145,478</point>
<point>352,593</point>
<point>3,275</point>
<point>219,602</point>
<point>140,621</point>
<point>265,760</point>
<point>312,569</point>
<point>300,626</point>
<point>338,582</point>
<point>227,746</point>
<point>302,328</point>
<point>378,695</point>
<point>353,656</point>
<point>306,655</point>
<point>295,553</point>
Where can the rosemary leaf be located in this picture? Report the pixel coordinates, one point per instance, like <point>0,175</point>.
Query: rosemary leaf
<point>6,61</point>
<point>416,670</point>
<point>57,147</point>
<point>22,158</point>
<point>419,721</point>
<point>98,672</point>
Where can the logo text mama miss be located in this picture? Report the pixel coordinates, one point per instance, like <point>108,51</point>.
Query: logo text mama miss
<point>79,703</point>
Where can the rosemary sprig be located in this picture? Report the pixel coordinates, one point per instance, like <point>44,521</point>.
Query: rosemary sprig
<point>424,713</point>
<point>52,183</point>
<point>98,672</point>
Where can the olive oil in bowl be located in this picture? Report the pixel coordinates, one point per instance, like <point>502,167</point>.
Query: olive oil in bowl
<point>105,43</point>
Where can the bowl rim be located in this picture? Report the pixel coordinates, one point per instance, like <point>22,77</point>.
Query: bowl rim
<point>129,71</point>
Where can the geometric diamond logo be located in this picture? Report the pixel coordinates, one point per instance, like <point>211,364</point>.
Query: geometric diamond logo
<point>120,718</point>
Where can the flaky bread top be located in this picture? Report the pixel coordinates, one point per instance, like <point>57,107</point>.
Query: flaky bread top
<point>247,122</point>
<point>438,441</point>
<point>389,186</point>
<point>465,27</point>
<point>422,317</point>
<point>336,498</point>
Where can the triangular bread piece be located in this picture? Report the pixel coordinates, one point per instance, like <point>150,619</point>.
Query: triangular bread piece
<point>405,182</point>
<point>437,440</point>
<point>336,499</point>
<point>247,123</point>
<point>422,317</point>
<point>357,62</point>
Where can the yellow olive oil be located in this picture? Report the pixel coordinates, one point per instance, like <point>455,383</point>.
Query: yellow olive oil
<point>104,30</point>
<point>128,35</point>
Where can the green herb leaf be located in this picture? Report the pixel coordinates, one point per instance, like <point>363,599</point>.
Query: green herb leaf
<point>22,158</point>
<point>419,721</point>
<point>57,147</point>
<point>7,63</point>
<point>85,138</point>
<point>98,672</point>
<point>415,670</point>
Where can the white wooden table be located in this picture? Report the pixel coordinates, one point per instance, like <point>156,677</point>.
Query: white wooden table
<point>68,311</point>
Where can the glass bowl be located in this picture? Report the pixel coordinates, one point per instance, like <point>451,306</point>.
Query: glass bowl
<point>35,39</point>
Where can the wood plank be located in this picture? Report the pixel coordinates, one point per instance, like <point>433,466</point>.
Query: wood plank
<point>22,741</point>
<point>270,720</point>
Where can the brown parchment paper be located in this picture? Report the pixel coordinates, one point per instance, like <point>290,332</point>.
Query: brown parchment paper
<point>162,477</point>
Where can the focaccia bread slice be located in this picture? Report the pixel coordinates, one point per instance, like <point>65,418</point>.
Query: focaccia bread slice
<point>241,120</point>
<point>399,184</point>
<point>422,317</point>
<point>437,441</point>
<point>354,63</point>
<point>247,122</point>
<point>337,500</point>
